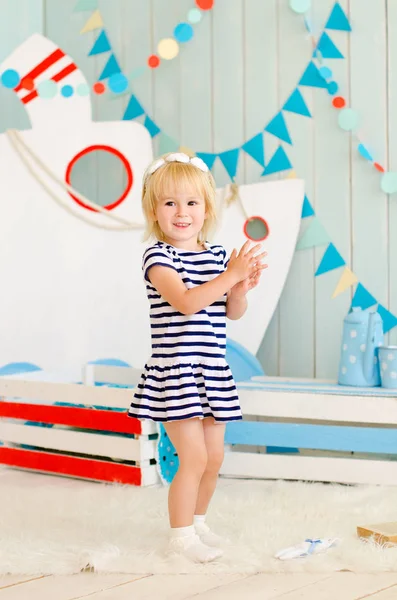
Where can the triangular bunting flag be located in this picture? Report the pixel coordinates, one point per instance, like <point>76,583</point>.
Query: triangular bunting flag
<point>327,47</point>
<point>362,298</point>
<point>229,160</point>
<point>338,20</point>
<point>208,158</point>
<point>133,110</point>
<point>315,235</point>
<point>307,209</point>
<point>278,127</point>
<point>330,261</point>
<point>296,104</point>
<point>254,147</point>
<point>312,78</point>
<point>167,144</point>
<point>151,126</point>
<point>85,5</point>
<point>278,162</point>
<point>111,68</point>
<point>347,280</point>
<point>94,22</point>
<point>389,320</point>
<point>101,45</point>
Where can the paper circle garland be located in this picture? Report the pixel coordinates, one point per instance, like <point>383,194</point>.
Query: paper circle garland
<point>389,183</point>
<point>98,88</point>
<point>83,89</point>
<point>348,119</point>
<point>300,6</point>
<point>325,72</point>
<point>67,91</point>
<point>47,89</point>
<point>183,32</point>
<point>168,48</point>
<point>339,102</point>
<point>332,88</point>
<point>205,4</point>
<point>118,83</point>
<point>153,61</point>
<point>364,152</point>
<point>194,16</point>
<point>10,78</point>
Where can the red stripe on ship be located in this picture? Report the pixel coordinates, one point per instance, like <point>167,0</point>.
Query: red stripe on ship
<point>41,67</point>
<point>58,77</point>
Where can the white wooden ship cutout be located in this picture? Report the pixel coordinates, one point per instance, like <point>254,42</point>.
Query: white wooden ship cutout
<point>72,291</point>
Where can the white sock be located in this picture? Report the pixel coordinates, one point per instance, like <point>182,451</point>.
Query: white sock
<point>208,537</point>
<point>199,519</point>
<point>179,532</point>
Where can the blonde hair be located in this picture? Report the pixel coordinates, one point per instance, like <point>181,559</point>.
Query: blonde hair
<point>157,184</point>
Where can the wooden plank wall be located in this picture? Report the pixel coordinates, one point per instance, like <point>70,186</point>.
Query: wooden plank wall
<point>227,83</point>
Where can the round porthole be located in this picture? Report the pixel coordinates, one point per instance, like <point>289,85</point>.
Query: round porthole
<point>109,159</point>
<point>256,229</point>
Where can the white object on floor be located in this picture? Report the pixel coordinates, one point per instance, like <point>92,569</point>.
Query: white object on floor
<point>306,548</point>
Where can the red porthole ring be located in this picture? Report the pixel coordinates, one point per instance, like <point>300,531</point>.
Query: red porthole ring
<point>263,222</point>
<point>126,164</point>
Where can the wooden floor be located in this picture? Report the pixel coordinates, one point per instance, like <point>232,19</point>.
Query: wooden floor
<point>340,586</point>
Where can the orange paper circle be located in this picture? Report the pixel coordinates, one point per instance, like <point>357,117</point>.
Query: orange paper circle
<point>205,4</point>
<point>339,102</point>
<point>98,87</point>
<point>379,167</point>
<point>153,61</point>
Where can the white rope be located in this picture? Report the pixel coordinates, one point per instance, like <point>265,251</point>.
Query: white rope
<point>21,148</point>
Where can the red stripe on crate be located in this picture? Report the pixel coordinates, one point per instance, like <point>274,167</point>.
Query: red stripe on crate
<point>84,418</point>
<point>73,466</point>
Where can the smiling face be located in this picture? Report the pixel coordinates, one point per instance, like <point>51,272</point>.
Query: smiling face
<point>180,214</point>
<point>178,201</point>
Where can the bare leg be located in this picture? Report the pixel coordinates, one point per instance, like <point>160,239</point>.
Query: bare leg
<point>214,437</point>
<point>188,438</point>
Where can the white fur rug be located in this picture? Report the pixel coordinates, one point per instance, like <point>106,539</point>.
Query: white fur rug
<point>50,525</point>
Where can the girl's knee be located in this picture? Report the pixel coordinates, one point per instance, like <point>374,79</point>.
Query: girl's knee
<point>195,460</point>
<point>214,462</point>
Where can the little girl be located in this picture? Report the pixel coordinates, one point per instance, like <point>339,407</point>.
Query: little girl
<point>187,384</point>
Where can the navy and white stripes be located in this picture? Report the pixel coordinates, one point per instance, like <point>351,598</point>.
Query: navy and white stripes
<point>187,375</point>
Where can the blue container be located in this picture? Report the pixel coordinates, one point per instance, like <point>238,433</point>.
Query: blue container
<point>388,366</point>
<point>362,336</point>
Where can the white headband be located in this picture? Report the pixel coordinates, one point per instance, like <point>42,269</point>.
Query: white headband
<point>176,157</point>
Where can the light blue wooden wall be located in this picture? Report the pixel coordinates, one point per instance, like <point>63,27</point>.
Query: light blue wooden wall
<point>246,58</point>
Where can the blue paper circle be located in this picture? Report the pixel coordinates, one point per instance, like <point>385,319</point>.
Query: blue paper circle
<point>10,78</point>
<point>325,72</point>
<point>83,89</point>
<point>118,83</point>
<point>364,152</point>
<point>389,183</point>
<point>332,88</point>
<point>194,15</point>
<point>67,91</point>
<point>47,89</point>
<point>300,6</point>
<point>183,32</point>
<point>348,119</point>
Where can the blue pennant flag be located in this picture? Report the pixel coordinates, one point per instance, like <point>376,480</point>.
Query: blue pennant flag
<point>229,160</point>
<point>151,126</point>
<point>101,45</point>
<point>389,320</point>
<point>362,298</point>
<point>327,47</point>
<point>278,127</point>
<point>330,261</point>
<point>133,110</point>
<point>208,158</point>
<point>307,209</point>
<point>312,77</point>
<point>278,162</point>
<point>296,104</point>
<point>338,19</point>
<point>254,147</point>
<point>111,68</point>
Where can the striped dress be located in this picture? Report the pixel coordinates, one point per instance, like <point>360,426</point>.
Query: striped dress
<point>187,374</point>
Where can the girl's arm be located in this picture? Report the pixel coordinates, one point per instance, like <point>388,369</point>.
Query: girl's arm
<point>188,302</point>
